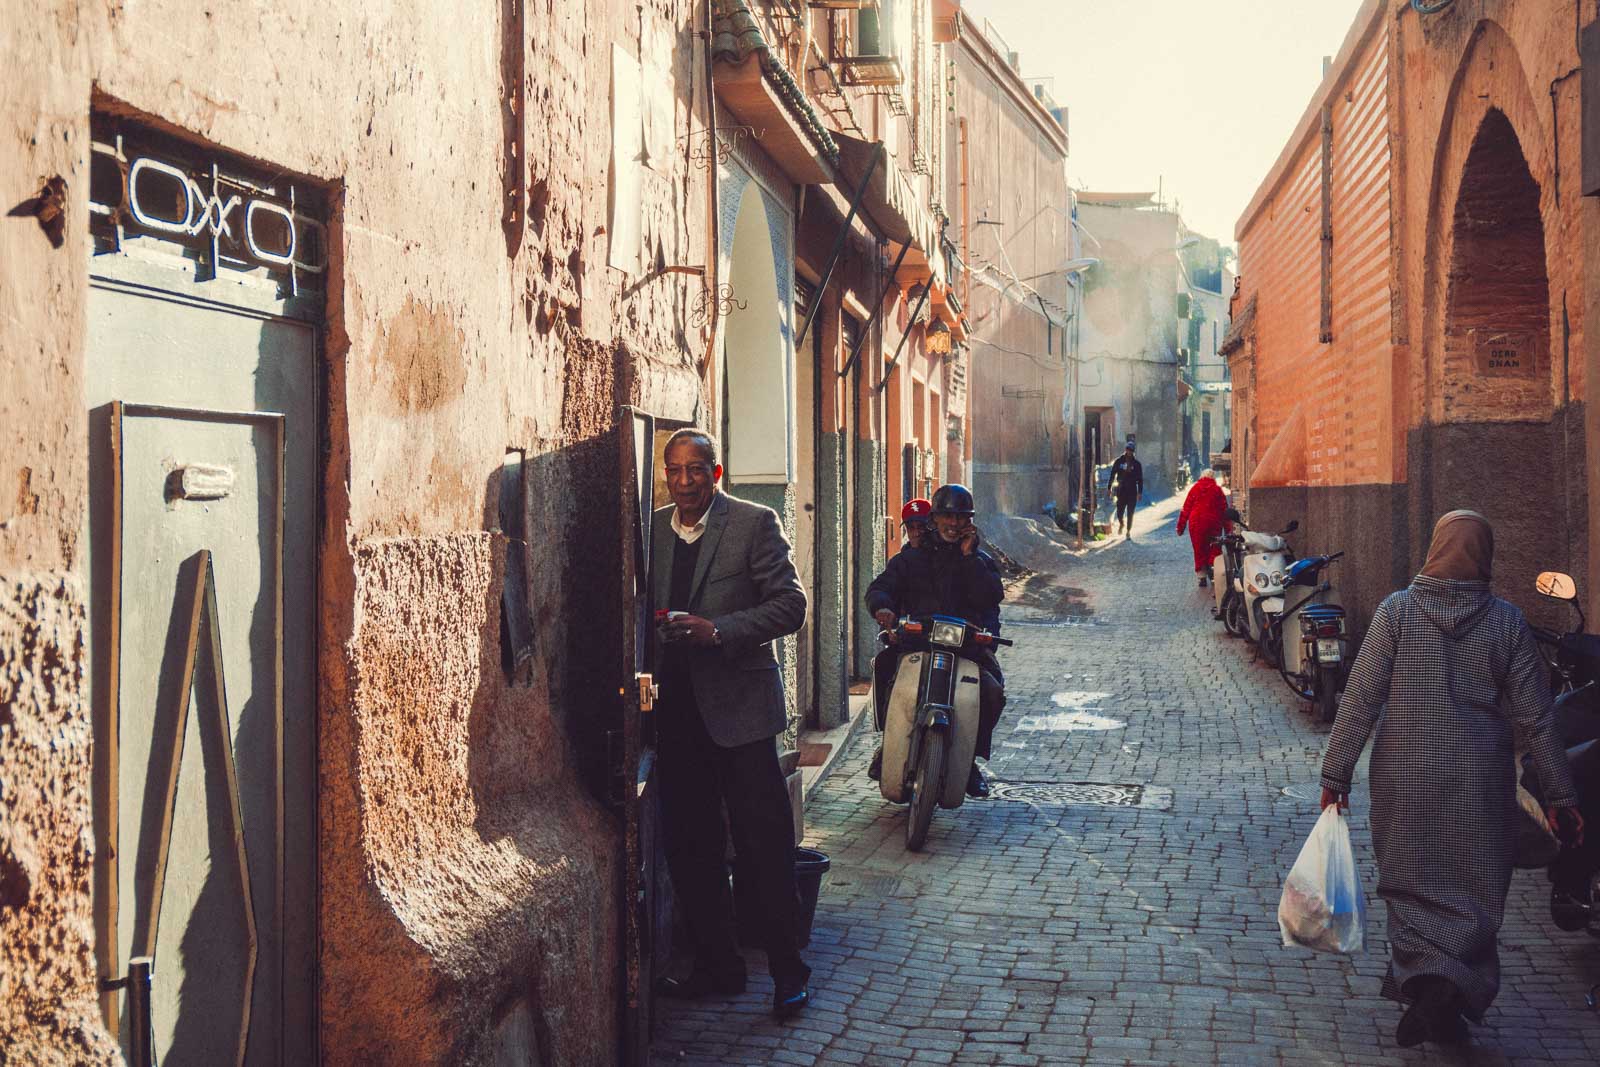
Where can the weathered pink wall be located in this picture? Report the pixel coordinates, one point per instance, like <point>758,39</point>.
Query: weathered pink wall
<point>463,866</point>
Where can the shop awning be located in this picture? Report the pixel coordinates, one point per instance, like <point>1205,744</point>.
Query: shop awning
<point>893,206</point>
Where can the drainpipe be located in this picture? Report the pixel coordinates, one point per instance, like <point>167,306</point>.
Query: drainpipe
<point>714,251</point>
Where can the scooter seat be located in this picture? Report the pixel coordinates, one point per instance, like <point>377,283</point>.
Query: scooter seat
<point>1263,542</point>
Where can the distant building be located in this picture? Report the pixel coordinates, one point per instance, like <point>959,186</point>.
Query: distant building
<point>1128,347</point>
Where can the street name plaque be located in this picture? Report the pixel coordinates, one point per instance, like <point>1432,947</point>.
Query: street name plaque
<point>1503,353</point>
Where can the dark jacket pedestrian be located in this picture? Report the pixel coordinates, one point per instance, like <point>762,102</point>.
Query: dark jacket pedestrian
<point>1127,486</point>
<point>1455,673</point>
<point>727,565</point>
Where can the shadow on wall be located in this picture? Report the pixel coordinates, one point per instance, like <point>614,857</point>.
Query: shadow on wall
<point>542,735</point>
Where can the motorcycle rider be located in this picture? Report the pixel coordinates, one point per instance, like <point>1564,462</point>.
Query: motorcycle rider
<point>946,574</point>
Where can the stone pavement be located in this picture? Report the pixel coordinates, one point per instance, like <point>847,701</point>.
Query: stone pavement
<point>1139,928</point>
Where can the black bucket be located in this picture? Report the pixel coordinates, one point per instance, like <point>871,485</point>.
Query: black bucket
<point>809,867</point>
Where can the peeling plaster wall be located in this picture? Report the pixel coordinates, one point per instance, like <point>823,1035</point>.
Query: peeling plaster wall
<point>464,867</point>
<point>49,1014</point>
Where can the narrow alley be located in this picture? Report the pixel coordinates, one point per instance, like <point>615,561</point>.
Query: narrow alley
<point>1115,901</point>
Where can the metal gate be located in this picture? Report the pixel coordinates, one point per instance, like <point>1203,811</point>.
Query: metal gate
<point>201,384</point>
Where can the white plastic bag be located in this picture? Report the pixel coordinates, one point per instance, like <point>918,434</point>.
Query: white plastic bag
<point>1322,907</point>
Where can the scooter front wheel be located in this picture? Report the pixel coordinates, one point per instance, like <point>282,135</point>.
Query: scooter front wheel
<point>925,788</point>
<point>1233,619</point>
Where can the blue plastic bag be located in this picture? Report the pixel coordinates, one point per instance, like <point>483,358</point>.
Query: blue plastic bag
<point>1322,907</point>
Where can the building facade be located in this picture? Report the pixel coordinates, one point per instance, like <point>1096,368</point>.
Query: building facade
<point>1409,333</point>
<point>1012,232</point>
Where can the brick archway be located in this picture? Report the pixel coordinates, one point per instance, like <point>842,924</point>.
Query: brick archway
<point>1483,435</point>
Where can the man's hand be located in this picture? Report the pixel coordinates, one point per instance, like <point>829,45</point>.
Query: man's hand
<point>886,618</point>
<point>1567,824</point>
<point>969,540</point>
<point>692,630</point>
<point>1341,799</point>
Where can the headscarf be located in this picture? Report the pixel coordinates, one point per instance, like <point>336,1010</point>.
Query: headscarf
<point>1462,548</point>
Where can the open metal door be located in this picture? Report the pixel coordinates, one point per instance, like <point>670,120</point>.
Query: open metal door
<point>636,444</point>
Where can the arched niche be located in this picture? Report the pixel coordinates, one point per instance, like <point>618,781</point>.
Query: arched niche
<point>1495,361</point>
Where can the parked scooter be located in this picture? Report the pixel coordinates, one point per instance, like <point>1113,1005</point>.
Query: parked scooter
<point>931,724</point>
<point>1575,658</point>
<point>1304,635</point>
<point>1262,571</point>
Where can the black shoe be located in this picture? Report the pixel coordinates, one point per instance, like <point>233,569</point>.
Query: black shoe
<point>1434,1016</point>
<point>701,984</point>
<point>790,995</point>
<point>977,784</point>
<point>875,768</point>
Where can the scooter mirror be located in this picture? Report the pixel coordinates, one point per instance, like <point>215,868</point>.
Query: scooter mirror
<point>1294,524</point>
<point>1556,586</point>
<point>1233,515</point>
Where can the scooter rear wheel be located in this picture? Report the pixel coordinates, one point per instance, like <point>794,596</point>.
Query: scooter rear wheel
<point>925,789</point>
<point>1327,695</point>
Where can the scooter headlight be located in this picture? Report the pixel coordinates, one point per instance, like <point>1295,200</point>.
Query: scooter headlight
<point>1261,579</point>
<point>949,634</point>
<point>1277,577</point>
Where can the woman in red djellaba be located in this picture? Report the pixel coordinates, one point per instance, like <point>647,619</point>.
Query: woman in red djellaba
<point>1204,513</point>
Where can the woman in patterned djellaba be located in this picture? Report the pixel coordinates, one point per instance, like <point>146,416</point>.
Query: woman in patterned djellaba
<point>1455,673</point>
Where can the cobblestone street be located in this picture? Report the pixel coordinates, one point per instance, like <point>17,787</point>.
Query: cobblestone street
<point>1132,922</point>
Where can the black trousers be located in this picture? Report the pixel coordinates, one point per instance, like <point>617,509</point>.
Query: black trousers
<point>991,695</point>
<point>698,777</point>
<point>1125,507</point>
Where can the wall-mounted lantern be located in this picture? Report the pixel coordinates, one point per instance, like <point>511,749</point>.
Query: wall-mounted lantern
<point>937,339</point>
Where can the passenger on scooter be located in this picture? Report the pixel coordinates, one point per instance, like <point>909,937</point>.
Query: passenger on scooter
<point>946,574</point>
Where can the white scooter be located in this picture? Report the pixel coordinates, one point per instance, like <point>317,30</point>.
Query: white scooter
<point>1262,572</point>
<point>1305,635</point>
<point>930,727</point>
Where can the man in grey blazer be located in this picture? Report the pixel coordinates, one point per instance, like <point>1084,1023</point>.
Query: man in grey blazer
<point>723,568</point>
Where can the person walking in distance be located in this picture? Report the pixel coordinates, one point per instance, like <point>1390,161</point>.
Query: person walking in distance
<point>1205,514</point>
<point>1126,485</point>
<point>1455,672</point>
<point>724,570</point>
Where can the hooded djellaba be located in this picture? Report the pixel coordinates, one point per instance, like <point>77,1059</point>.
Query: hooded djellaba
<point>1455,674</point>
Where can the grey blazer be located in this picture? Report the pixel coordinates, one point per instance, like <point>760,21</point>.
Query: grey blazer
<point>745,583</point>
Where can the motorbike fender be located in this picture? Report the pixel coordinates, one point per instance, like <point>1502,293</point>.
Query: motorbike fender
<point>1271,606</point>
<point>963,734</point>
<point>899,722</point>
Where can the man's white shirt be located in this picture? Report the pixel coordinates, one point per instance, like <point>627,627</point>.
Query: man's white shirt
<point>688,534</point>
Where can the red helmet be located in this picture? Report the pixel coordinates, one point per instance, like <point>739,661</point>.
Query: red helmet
<point>918,510</point>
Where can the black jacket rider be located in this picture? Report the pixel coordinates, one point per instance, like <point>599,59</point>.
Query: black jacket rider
<point>936,579</point>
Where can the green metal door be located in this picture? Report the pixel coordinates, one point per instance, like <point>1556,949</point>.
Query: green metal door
<point>202,410</point>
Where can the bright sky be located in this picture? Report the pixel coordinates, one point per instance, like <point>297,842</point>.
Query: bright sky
<point>1200,95</point>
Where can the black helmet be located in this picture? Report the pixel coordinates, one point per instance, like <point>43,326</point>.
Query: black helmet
<point>952,500</point>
